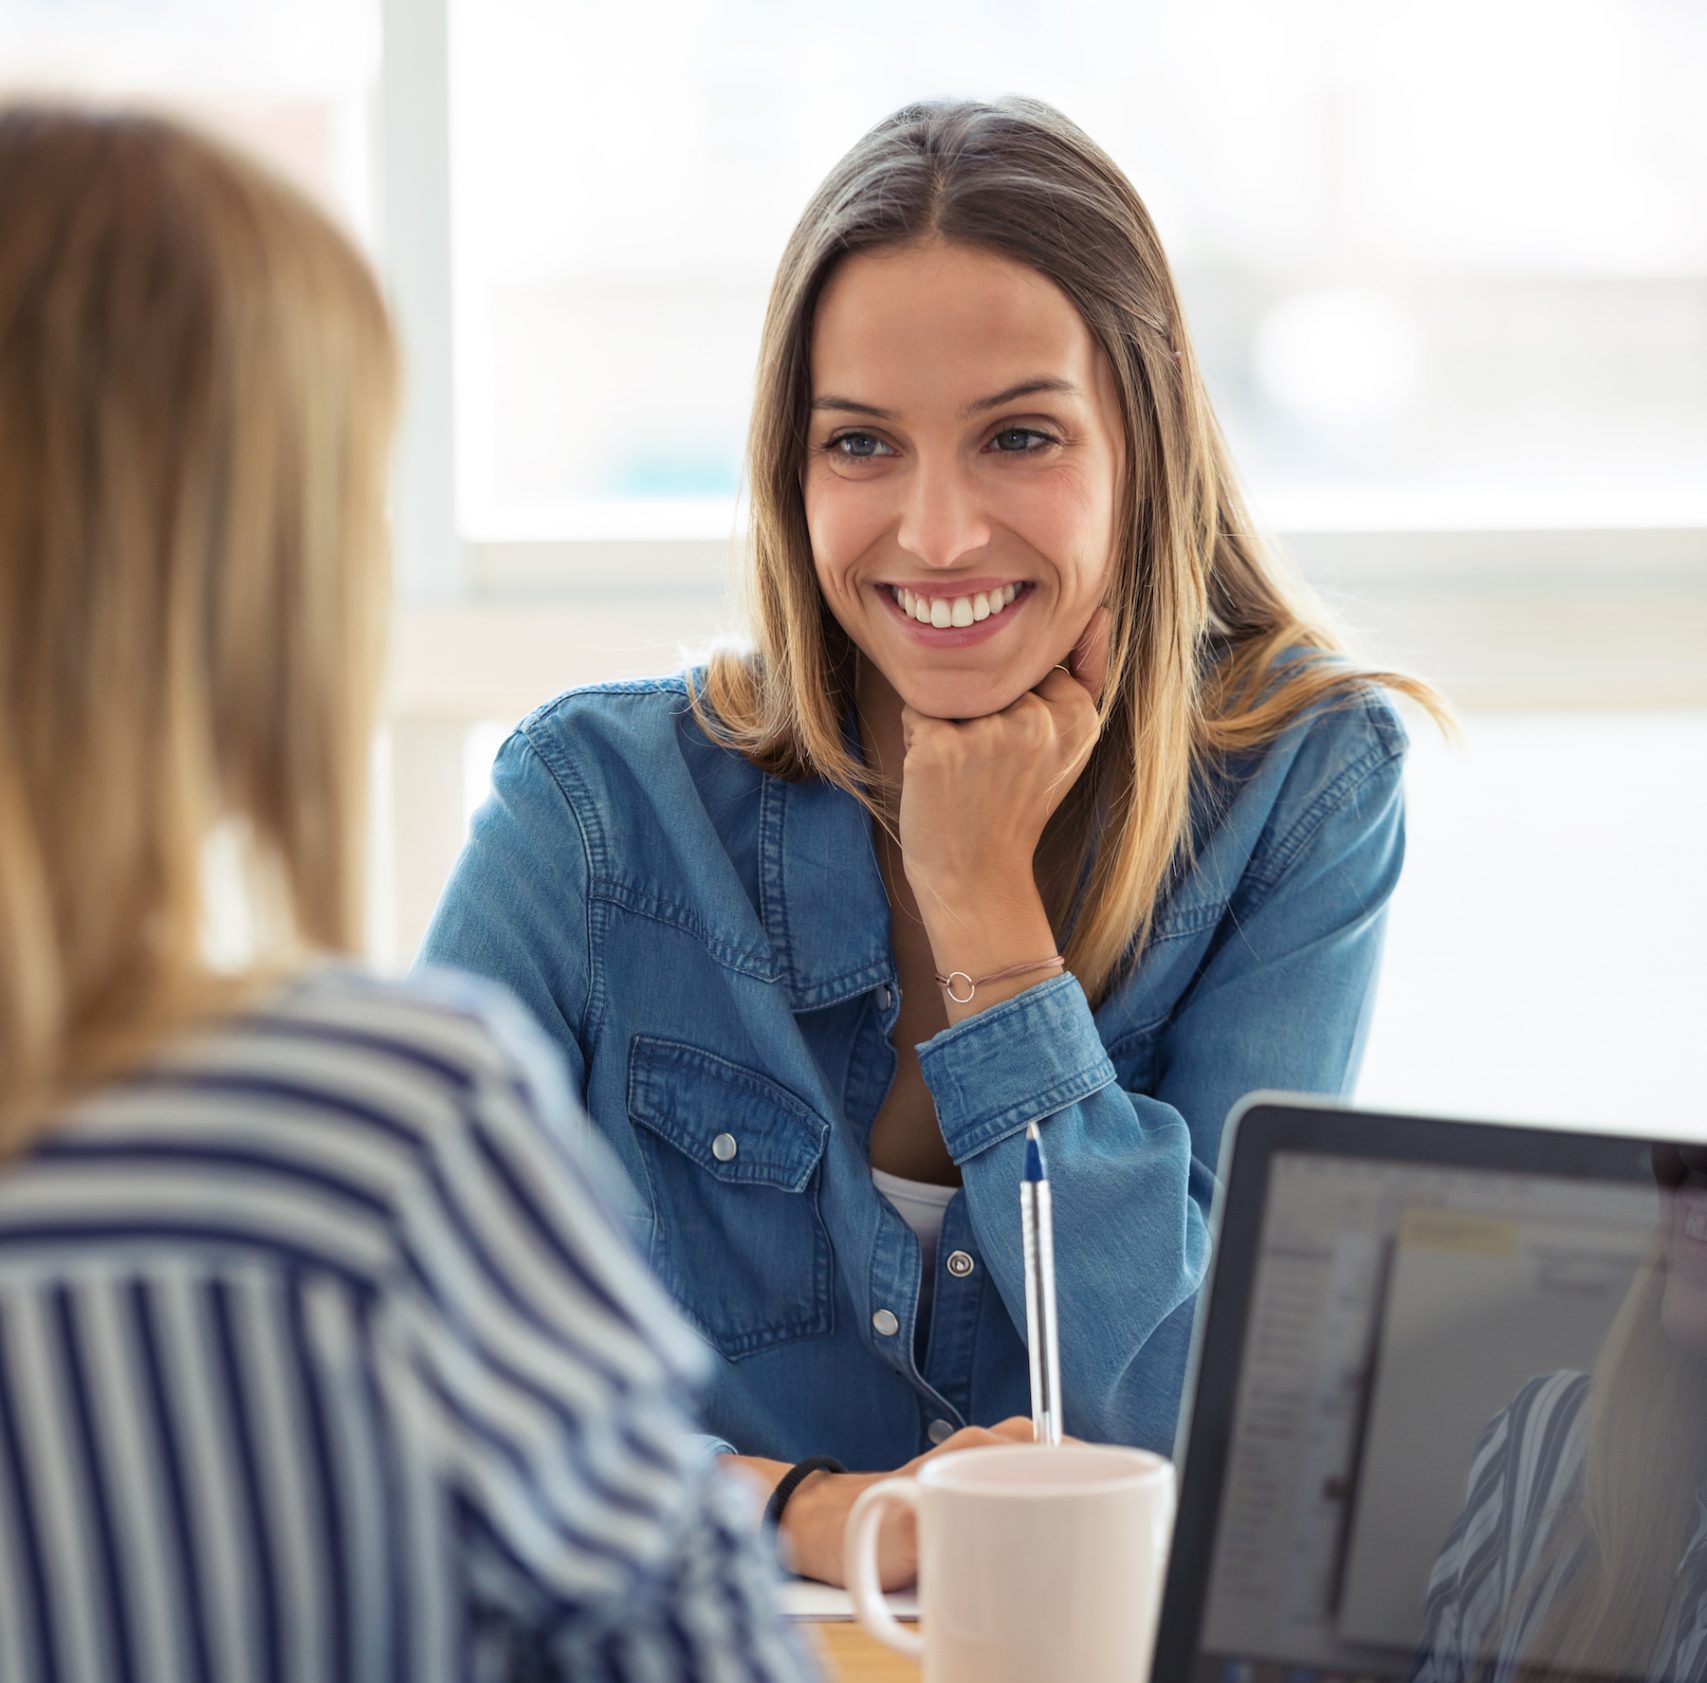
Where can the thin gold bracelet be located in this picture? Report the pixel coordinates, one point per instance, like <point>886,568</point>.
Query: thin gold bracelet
<point>974,983</point>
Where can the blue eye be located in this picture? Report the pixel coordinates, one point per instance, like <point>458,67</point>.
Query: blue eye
<point>1022,433</point>
<point>861,440</point>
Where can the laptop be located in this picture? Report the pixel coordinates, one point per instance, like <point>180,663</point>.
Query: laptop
<point>1448,1408</point>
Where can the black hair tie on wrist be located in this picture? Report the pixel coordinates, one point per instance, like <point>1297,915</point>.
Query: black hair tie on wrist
<point>792,1480</point>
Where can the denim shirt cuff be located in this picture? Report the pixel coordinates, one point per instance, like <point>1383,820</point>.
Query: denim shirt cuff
<point>1023,1059</point>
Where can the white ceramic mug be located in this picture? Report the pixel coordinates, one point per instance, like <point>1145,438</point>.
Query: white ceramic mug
<point>1035,1564</point>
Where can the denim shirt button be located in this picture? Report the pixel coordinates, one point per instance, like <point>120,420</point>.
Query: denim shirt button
<point>885,998</point>
<point>885,1323</point>
<point>960,1264</point>
<point>723,1148</point>
<point>940,1431</point>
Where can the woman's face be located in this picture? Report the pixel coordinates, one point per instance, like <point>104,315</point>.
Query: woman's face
<point>963,470</point>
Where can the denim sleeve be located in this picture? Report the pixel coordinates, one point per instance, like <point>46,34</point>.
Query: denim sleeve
<point>517,909</point>
<point>517,905</point>
<point>1282,1001</point>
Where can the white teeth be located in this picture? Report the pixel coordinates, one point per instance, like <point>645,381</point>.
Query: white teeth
<point>945,611</point>
<point>1695,1224</point>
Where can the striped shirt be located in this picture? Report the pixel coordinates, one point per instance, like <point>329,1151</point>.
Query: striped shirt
<point>1500,1573</point>
<point>321,1360</point>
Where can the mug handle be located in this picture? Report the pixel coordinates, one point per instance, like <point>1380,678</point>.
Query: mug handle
<point>859,1561</point>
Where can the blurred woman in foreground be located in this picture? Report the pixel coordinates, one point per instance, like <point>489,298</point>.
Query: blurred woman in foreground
<point>318,1356</point>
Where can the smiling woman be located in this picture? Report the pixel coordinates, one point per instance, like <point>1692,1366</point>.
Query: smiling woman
<point>1044,795</point>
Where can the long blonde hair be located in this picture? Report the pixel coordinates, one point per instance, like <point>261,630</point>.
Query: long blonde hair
<point>197,382</point>
<point>1214,648</point>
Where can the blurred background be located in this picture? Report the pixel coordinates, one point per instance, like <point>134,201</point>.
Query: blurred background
<point>1445,264</point>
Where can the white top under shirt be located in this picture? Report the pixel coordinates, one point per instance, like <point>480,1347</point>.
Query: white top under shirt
<point>922,1205</point>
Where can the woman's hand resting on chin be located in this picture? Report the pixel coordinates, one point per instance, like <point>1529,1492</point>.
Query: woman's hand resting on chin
<point>975,797</point>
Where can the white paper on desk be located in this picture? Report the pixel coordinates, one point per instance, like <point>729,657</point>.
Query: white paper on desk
<point>801,1598</point>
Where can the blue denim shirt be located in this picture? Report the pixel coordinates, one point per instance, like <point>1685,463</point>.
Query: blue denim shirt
<point>710,948</point>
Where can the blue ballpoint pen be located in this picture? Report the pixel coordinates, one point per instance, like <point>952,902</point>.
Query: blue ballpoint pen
<point>1038,1229</point>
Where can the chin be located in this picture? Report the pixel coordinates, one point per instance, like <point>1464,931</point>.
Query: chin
<point>959,697</point>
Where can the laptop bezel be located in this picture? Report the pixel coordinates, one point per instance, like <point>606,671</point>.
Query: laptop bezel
<point>1259,1128</point>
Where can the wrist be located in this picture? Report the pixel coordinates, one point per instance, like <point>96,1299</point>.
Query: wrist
<point>962,988</point>
<point>990,922</point>
<point>792,1480</point>
<point>959,889</point>
<point>996,939</point>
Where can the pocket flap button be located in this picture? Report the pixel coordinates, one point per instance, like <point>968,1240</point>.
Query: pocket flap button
<point>723,1147</point>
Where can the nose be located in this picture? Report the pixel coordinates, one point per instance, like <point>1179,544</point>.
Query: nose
<point>942,519</point>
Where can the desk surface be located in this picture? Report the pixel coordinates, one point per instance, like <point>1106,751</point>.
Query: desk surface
<point>850,1656</point>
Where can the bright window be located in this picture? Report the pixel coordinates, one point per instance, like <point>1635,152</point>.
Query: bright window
<point>1443,260</point>
<point>1543,951</point>
<point>294,83</point>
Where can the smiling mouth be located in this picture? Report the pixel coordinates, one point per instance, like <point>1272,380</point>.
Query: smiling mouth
<point>955,612</point>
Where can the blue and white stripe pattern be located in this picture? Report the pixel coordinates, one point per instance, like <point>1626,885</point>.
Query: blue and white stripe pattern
<point>1527,1473</point>
<point>320,1360</point>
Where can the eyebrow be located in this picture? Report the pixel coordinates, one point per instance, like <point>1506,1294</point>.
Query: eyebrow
<point>1025,388</point>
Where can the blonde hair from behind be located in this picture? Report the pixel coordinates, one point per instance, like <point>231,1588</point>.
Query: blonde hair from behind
<point>197,386</point>
<point>1202,613</point>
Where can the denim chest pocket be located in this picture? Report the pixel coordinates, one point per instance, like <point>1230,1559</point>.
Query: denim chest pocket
<point>733,1164</point>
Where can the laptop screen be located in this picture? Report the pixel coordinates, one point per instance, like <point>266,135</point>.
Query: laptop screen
<point>1466,1437</point>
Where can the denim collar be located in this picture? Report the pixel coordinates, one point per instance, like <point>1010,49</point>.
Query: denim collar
<point>821,893</point>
